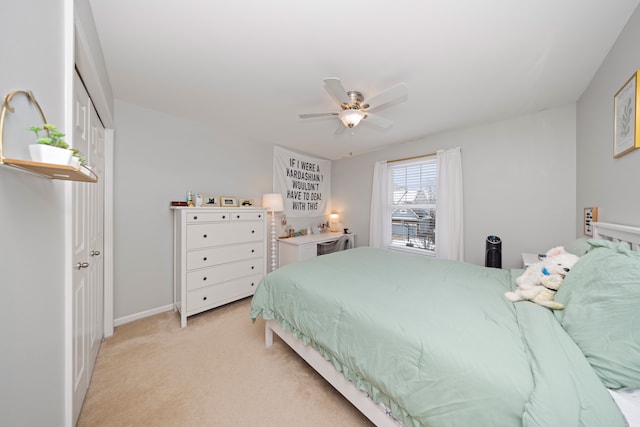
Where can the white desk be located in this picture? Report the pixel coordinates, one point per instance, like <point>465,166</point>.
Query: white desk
<point>296,249</point>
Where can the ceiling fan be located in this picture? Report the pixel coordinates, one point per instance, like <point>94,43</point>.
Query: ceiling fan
<point>353,107</point>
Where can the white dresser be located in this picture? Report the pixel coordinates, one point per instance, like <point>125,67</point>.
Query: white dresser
<point>219,256</point>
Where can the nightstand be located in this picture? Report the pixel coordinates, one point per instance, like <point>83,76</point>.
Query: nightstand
<point>529,259</point>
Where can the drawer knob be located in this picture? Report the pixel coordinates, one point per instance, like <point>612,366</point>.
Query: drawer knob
<point>253,231</point>
<point>204,259</point>
<point>204,236</point>
<point>224,217</point>
<point>195,217</point>
<point>204,278</point>
<point>252,267</point>
<point>238,216</point>
<point>204,298</point>
<point>252,283</point>
<point>253,250</point>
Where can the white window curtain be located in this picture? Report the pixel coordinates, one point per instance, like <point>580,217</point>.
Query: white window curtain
<point>379,223</point>
<point>449,208</point>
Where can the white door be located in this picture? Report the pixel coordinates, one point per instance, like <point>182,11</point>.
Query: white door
<point>87,237</point>
<point>96,237</point>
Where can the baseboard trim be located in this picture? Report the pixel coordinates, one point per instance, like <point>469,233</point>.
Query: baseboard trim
<point>130,318</point>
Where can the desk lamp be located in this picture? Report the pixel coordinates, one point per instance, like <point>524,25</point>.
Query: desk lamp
<point>333,221</point>
<point>273,202</point>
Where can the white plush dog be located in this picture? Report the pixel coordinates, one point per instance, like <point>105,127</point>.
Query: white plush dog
<point>541,280</point>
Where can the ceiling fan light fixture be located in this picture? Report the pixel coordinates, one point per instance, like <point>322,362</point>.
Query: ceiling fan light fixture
<point>350,117</point>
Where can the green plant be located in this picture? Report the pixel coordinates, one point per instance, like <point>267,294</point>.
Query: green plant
<point>83,159</point>
<point>54,138</point>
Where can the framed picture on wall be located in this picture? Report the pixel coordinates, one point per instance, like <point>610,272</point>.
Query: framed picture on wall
<point>625,116</point>
<point>590,216</point>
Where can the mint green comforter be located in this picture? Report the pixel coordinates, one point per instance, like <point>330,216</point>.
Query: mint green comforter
<point>436,341</point>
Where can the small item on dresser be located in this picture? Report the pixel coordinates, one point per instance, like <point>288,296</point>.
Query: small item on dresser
<point>178,203</point>
<point>346,231</point>
<point>198,200</point>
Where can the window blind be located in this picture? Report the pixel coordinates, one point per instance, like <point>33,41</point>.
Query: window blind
<point>412,198</point>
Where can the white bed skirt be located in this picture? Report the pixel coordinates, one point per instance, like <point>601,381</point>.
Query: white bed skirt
<point>376,413</point>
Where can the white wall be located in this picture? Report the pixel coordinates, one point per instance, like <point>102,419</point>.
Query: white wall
<point>31,226</point>
<point>158,158</point>
<point>519,183</point>
<point>602,181</point>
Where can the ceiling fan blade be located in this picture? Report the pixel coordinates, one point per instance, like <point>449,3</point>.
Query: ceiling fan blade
<point>308,116</point>
<point>394,95</point>
<point>336,90</point>
<point>377,121</point>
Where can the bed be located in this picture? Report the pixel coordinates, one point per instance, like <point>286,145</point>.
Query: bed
<point>415,341</point>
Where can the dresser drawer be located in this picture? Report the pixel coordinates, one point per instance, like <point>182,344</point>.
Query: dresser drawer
<point>224,272</point>
<point>201,258</point>
<point>195,217</point>
<point>221,293</point>
<point>215,234</point>
<point>246,216</point>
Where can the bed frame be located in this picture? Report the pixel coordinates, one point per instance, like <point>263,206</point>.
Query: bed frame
<point>377,413</point>
<point>618,233</point>
<point>357,397</point>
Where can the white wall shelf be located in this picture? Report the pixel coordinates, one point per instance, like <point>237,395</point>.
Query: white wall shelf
<point>46,170</point>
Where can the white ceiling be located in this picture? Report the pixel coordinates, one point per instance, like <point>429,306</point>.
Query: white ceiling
<point>249,67</point>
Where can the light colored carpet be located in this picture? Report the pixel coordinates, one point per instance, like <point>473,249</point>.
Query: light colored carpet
<point>214,372</point>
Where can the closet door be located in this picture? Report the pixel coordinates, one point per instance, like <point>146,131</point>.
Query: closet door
<point>87,239</point>
<point>96,237</point>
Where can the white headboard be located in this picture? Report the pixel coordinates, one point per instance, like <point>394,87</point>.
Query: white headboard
<point>618,233</point>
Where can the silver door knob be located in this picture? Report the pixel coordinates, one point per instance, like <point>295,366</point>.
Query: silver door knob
<point>82,265</point>
<point>94,253</point>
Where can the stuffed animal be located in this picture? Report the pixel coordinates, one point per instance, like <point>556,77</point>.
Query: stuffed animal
<point>540,281</point>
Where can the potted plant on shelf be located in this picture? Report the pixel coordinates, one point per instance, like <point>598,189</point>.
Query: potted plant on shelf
<point>52,148</point>
<point>78,158</point>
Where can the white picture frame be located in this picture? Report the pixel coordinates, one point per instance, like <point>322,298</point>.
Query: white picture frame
<point>228,202</point>
<point>626,135</point>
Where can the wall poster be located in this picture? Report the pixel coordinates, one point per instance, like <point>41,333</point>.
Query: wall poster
<point>303,181</point>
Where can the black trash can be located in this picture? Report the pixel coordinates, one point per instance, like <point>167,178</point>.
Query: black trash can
<point>493,253</point>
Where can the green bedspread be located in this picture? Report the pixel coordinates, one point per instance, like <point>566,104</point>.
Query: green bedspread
<point>436,341</point>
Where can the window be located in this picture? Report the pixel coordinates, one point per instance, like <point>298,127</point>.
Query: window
<point>411,190</point>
